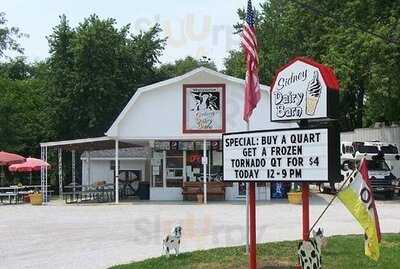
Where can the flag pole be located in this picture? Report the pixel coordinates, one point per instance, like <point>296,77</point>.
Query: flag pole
<point>331,201</point>
<point>247,204</point>
<point>252,97</point>
<point>252,209</point>
<point>251,220</point>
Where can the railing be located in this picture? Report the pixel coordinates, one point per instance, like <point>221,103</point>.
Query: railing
<point>89,193</point>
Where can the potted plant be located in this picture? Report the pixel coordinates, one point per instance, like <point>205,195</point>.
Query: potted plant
<point>294,195</point>
<point>36,198</point>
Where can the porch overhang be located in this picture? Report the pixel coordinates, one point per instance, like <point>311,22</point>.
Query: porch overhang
<point>88,144</point>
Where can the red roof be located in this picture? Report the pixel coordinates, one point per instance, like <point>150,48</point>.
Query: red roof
<point>327,73</point>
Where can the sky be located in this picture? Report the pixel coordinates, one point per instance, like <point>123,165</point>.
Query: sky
<point>193,27</point>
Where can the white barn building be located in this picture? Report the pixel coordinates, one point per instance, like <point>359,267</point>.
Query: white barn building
<point>174,121</point>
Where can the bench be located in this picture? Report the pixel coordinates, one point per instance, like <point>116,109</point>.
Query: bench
<point>191,189</point>
<point>215,190</point>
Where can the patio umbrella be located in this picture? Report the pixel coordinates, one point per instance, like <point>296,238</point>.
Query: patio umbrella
<point>6,159</point>
<point>29,166</point>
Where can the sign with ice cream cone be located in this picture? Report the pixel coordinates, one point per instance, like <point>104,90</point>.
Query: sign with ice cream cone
<point>304,89</point>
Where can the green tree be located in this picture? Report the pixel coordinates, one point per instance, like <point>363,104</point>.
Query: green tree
<point>60,77</point>
<point>24,118</point>
<point>94,69</point>
<point>9,36</point>
<point>17,69</point>
<point>182,66</point>
<point>235,64</point>
<point>359,39</point>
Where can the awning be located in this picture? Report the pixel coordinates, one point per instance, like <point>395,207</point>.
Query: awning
<point>96,143</point>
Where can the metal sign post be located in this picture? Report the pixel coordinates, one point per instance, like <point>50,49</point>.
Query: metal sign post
<point>252,217</point>
<point>303,90</point>
<point>300,155</point>
<point>305,196</point>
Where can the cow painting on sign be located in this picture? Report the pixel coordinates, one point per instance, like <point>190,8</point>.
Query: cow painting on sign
<point>204,108</point>
<point>206,101</point>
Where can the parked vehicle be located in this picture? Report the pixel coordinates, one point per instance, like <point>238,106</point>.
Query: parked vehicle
<point>380,173</point>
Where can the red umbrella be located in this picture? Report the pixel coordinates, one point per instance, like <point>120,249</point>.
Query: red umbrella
<point>7,158</point>
<point>30,165</point>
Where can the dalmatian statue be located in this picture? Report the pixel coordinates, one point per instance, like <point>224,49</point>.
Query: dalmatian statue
<point>173,241</point>
<point>309,252</point>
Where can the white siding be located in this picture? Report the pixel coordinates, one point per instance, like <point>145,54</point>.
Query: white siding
<point>158,113</point>
<point>100,170</point>
<point>384,134</point>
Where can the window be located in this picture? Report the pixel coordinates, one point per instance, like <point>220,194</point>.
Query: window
<point>174,165</point>
<point>377,165</point>
<point>368,149</point>
<point>349,149</point>
<point>390,149</point>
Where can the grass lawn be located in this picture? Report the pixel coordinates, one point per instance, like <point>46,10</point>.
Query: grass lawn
<point>341,252</point>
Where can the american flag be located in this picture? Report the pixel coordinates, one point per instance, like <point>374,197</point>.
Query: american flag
<point>249,44</point>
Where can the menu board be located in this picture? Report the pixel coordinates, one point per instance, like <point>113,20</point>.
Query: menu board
<point>281,155</point>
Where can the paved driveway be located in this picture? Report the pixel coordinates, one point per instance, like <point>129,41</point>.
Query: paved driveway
<point>98,236</point>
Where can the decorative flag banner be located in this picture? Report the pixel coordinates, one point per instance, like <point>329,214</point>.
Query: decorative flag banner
<point>249,44</point>
<point>358,199</point>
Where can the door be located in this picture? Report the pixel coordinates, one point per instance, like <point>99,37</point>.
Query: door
<point>239,190</point>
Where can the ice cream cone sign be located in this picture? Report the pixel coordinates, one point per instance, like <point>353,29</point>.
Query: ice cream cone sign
<point>313,94</point>
<point>304,89</point>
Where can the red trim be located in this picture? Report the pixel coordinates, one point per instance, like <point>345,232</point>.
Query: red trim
<point>327,73</point>
<point>223,107</point>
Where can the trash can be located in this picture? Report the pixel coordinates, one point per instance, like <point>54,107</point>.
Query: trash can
<point>143,191</point>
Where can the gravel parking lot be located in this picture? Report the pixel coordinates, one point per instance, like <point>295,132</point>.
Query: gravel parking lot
<point>99,236</point>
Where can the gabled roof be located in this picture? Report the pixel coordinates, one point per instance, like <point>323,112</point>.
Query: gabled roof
<point>327,73</point>
<point>172,81</point>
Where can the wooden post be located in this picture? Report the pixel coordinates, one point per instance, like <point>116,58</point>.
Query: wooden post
<point>252,207</point>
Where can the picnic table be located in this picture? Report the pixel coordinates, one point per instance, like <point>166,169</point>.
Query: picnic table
<point>11,193</point>
<point>16,193</point>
